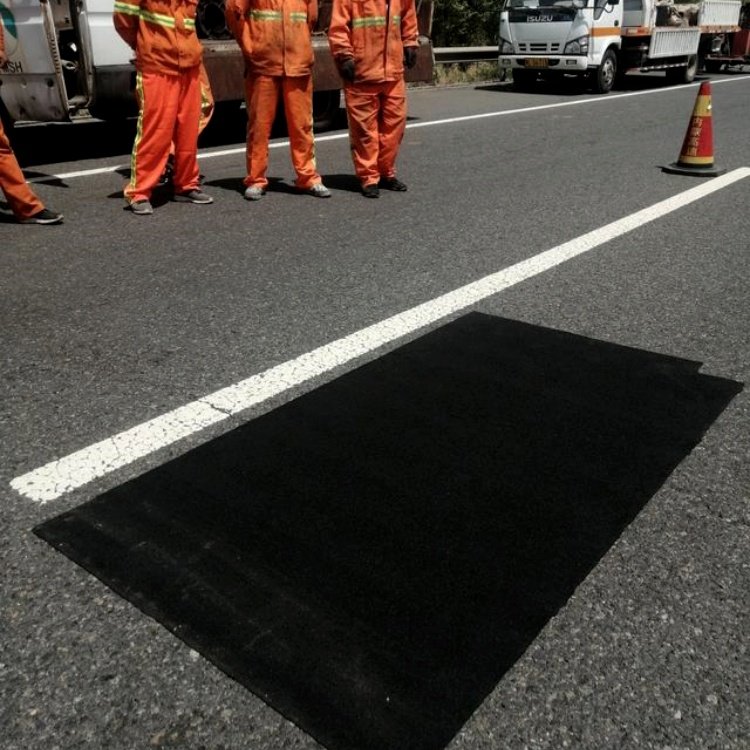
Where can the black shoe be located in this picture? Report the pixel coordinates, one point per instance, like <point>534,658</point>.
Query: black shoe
<point>391,183</point>
<point>45,216</point>
<point>371,191</point>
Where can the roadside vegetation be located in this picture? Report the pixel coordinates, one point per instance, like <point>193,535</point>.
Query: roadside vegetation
<point>465,23</point>
<point>461,73</point>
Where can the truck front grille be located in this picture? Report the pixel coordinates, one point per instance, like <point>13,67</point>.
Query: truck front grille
<point>525,48</point>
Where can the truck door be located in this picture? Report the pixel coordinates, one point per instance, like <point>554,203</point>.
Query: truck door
<point>32,84</point>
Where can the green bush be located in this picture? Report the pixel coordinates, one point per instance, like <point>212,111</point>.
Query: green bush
<point>465,23</point>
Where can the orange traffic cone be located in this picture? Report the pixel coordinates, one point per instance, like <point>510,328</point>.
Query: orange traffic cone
<point>697,155</point>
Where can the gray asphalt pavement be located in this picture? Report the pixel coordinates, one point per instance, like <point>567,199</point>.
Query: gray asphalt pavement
<point>111,320</point>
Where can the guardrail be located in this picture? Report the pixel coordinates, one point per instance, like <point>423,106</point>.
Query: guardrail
<point>448,55</point>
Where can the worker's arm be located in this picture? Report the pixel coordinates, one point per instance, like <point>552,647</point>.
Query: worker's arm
<point>409,33</point>
<point>312,13</point>
<point>235,12</point>
<point>409,28</point>
<point>126,16</point>
<point>339,32</point>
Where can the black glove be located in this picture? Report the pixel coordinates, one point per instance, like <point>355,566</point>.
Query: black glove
<point>346,69</point>
<point>410,57</point>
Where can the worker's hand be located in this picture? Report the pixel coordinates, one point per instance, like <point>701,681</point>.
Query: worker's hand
<point>410,57</point>
<point>346,69</point>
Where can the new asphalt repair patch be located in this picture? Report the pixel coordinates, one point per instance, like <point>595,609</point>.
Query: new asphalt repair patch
<point>371,557</point>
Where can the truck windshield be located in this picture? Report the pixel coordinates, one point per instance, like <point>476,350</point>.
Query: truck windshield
<point>537,4</point>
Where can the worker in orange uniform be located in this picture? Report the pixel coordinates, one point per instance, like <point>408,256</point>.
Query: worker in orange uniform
<point>168,57</point>
<point>371,42</point>
<point>26,206</point>
<point>275,39</point>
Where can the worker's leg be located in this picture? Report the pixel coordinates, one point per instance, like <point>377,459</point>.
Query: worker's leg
<point>299,121</point>
<point>158,97</point>
<point>391,126</point>
<point>362,113</point>
<point>262,95</point>
<point>207,111</point>
<point>21,198</point>
<point>186,174</point>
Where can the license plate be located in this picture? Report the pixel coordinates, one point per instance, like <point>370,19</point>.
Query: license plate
<point>536,62</point>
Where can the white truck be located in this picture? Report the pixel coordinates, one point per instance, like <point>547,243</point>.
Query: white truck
<point>605,39</point>
<point>66,60</point>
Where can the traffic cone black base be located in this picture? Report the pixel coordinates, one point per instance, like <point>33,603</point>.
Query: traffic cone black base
<point>677,168</point>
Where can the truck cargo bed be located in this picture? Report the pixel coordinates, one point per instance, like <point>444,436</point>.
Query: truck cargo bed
<point>670,42</point>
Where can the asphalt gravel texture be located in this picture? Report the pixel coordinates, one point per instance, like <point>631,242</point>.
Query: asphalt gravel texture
<point>111,319</point>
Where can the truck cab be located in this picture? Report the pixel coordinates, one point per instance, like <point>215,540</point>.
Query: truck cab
<point>60,53</point>
<point>552,38</point>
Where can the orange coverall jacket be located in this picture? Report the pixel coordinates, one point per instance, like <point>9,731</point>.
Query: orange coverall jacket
<point>274,35</point>
<point>162,33</point>
<point>373,33</point>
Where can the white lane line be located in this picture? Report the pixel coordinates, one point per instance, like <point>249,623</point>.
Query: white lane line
<point>428,124</point>
<point>77,469</point>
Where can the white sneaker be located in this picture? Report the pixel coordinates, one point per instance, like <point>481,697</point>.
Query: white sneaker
<point>254,193</point>
<point>319,190</point>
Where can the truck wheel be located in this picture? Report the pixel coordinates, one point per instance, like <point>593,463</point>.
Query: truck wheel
<point>523,80</point>
<point>603,78</point>
<point>712,66</point>
<point>7,121</point>
<point>686,74</point>
<point>325,109</point>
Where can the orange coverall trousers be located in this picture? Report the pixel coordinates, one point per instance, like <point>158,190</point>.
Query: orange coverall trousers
<point>21,198</point>
<point>377,121</point>
<point>262,94</point>
<point>207,104</point>
<point>170,109</point>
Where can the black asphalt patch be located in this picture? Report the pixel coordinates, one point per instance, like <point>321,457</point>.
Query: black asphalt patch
<point>371,557</point>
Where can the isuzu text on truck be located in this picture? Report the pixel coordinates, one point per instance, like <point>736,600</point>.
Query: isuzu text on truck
<point>66,60</point>
<point>604,39</point>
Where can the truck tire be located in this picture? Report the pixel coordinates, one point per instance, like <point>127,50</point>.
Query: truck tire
<point>712,66</point>
<point>603,78</point>
<point>523,80</point>
<point>684,74</point>
<point>326,105</point>
<point>6,119</point>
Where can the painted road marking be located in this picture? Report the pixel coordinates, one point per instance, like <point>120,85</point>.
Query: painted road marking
<point>61,476</point>
<point>430,123</point>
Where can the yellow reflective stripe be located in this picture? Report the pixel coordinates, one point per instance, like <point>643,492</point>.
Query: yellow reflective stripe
<point>700,160</point>
<point>158,19</point>
<point>127,9</point>
<point>189,23</point>
<point>396,20</point>
<point>702,106</point>
<point>368,21</point>
<point>298,17</point>
<point>265,15</point>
